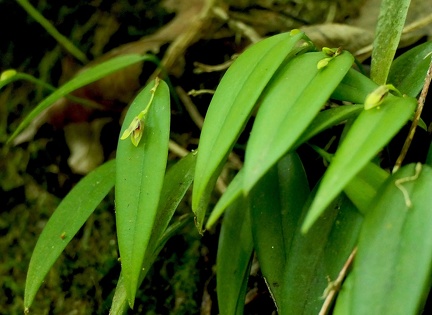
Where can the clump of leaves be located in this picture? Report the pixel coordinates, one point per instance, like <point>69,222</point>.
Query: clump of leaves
<point>305,239</point>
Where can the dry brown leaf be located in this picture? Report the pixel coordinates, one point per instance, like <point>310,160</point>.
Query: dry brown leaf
<point>113,92</point>
<point>419,10</point>
<point>86,151</point>
<point>339,35</point>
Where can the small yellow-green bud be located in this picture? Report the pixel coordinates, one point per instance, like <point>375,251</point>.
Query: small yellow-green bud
<point>375,98</point>
<point>135,130</point>
<point>7,74</point>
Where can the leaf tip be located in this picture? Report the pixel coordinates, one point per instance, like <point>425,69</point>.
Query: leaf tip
<point>7,74</point>
<point>199,225</point>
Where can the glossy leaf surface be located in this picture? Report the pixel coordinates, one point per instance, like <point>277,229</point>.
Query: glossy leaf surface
<point>119,304</point>
<point>354,88</point>
<point>290,103</point>
<point>234,259</point>
<point>65,222</point>
<point>139,180</point>
<point>232,105</point>
<point>329,118</point>
<point>275,205</point>
<point>324,120</point>
<point>364,186</point>
<point>391,21</point>
<point>318,256</point>
<point>369,133</point>
<point>408,71</point>
<point>233,191</point>
<point>392,268</point>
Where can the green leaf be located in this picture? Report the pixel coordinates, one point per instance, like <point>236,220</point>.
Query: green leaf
<point>69,217</point>
<point>291,101</point>
<point>231,107</point>
<point>391,273</point>
<point>372,130</point>
<point>139,180</point>
<point>364,186</point>
<point>324,120</point>
<point>329,118</point>
<point>90,75</point>
<point>234,259</point>
<point>275,205</point>
<point>354,88</point>
<point>119,304</point>
<point>233,191</point>
<point>391,21</point>
<point>176,183</point>
<point>317,257</point>
<point>408,71</point>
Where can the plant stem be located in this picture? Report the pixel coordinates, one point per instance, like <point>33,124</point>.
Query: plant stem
<point>387,36</point>
<point>416,119</point>
<point>62,40</point>
<point>335,285</point>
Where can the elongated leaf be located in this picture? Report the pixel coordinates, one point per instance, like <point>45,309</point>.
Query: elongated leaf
<point>317,257</point>
<point>233,191</point>
<point>394,259</point>
<point>329,118</point>
<point>177,181</point>
<point>324,120</point>
<point>69,217</point>
<point>139,180</point>
<point>275,205</point>
<point>232,105</point>
<point>93,74</point>
<point>364,186</point>
<point>370,132</point>
<point>288,106</point>
<point>354,88</point>
<point>234,259</point>
<point>408,71</point>
<point>120,302</point>
<point>387,36</point>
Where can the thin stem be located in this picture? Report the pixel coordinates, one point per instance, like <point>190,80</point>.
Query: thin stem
<point>334,286</point>
<point>62,40</point>
<point>416,119</point>
<point>27,77</point>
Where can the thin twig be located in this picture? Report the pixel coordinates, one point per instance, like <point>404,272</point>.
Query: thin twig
<point>182,152</point>
<point>189,37</point>
<point>203,68</point>
<point>177,149</point>
<point>414,26</point>
<point>194,92</point>
<point>238,26</point>
<point>199,121</point>
<point>190,107</point>
<point>333,288</point>
<point>416,119</point>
